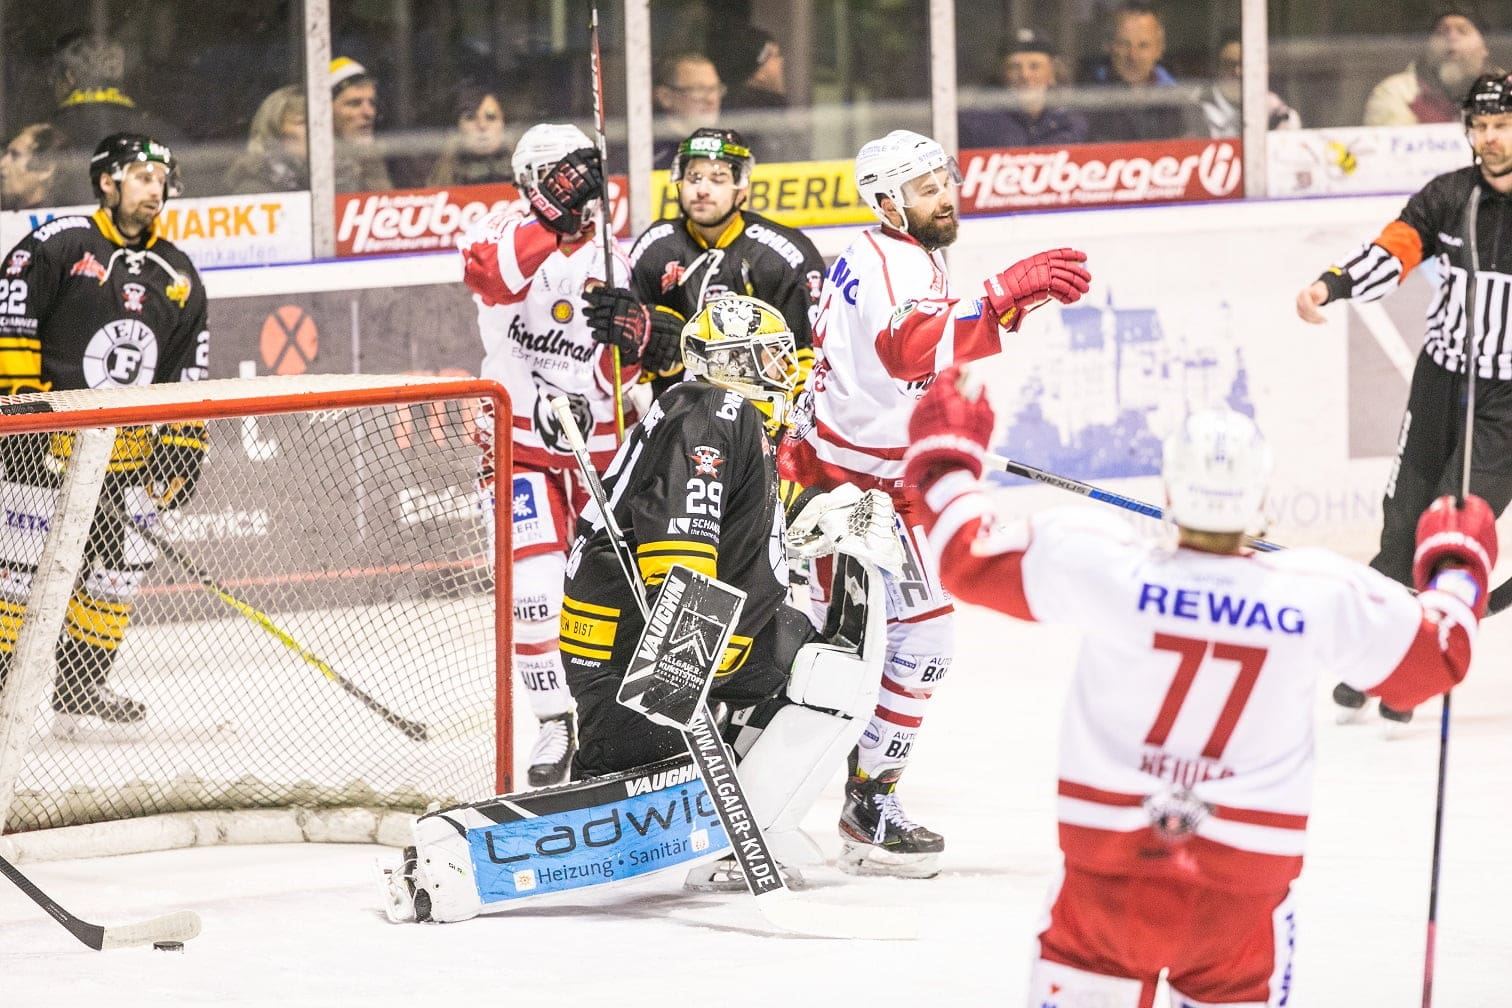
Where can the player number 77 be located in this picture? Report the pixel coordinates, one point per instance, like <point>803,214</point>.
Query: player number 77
<point>1192,654</point>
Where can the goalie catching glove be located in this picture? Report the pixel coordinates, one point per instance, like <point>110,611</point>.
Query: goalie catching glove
<point>1031,282</point>
<point>174,466</point>
<point>845,520</point>
<point>562,195</point>
<point>948,430</point>
<point>646,334</point>
<point>1456,549</point>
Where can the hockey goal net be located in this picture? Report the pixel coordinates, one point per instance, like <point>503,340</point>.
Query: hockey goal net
<point>319,638</point>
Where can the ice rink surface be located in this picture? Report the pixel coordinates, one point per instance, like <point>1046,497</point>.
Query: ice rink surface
<point>300,925</point>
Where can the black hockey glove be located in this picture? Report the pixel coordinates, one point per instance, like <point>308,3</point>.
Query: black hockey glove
<point>618,319</point>
<point>566,189</point>
<point>663,351</point>
<point>174,466</point>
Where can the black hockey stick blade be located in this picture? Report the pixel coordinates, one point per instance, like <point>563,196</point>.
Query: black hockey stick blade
<point>674,662</point>
<point>181,925</point>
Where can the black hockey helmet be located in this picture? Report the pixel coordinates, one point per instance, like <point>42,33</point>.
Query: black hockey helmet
<point>718,145</point>
<point>118,150</point>
<point>1491,94</point>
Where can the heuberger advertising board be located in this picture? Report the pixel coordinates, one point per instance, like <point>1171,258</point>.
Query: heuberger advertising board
<point>431,220</point>
<point>1085,176</point>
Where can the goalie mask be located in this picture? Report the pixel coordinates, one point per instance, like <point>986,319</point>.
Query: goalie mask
<point>742,344</point>
<point>118,150</point>
<point>885,167</point>
<point>1216,467</point>
<point>542,146</point>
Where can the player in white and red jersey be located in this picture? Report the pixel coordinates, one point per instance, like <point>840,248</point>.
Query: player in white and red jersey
<point>1186,749</point>
<point>527,273</point>
<point>887,321</point>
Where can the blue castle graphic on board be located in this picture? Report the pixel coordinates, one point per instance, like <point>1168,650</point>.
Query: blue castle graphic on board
<point>1102,387</point>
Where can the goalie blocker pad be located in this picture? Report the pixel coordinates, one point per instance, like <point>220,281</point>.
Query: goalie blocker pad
<point>495,854</point>
<point>687,630</point>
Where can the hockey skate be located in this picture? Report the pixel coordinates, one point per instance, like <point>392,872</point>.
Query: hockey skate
<point>724,876</point>
<point>877,837</point>
<point>74,707</point>
<point>1352,705</point>
<point>401,901</point>
<point>555,745</point>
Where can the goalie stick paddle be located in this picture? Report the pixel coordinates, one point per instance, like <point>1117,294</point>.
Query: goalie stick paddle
<point>667,679</point>
<point>180,925</point>
<point>716,767</point>
<point>412,729</point>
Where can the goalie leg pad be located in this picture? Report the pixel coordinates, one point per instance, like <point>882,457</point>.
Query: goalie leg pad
<point>444,888</point>
<point>832,691</point>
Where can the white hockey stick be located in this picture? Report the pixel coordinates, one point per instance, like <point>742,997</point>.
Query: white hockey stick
<point>716,765</point>
<point>178,926</point>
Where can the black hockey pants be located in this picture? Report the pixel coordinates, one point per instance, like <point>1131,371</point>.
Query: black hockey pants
<point>1430,457</point>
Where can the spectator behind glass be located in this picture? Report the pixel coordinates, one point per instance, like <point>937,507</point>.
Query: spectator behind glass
<point>30,168</point>
<point>1136,97</point>
<point>354,112</point>
<point>1022,115</point>
<point>476,151</point>
<point>688,92</point>
<point>1431,89</point>
<point>1220,100</point>
<point>277,158</point>
<point>89,81</point>
<point>753,58</point>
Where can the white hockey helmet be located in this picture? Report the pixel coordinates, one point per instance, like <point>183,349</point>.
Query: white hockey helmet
<point>542,146</point>
<point>1216,466</point>
<point>883,166</point>
<point>743,344</point>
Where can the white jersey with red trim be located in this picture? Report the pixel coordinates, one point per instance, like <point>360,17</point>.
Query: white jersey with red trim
<point>536,340</point>
<point>1197,673</point>
<point>888,321</point>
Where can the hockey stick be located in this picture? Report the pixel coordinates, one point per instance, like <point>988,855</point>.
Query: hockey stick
<point>1096,493</point>
<point>413,729</point>
<point>717,768</point>
<point>606,217</point>
<point>1430,941</point>
<point>181,925</point>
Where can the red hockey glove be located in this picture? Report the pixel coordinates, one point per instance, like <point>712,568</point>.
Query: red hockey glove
<point>948,430</point>
<point>565,190</point>
<point>1456,549</point>
<point>1031,282</point>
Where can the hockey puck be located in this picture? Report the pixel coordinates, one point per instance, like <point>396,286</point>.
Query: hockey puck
<point>168,946</point>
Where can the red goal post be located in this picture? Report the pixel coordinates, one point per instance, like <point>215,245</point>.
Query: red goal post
<point>320,636</point>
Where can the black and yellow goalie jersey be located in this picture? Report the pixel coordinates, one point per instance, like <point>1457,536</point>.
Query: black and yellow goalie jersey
<point>695,484</point>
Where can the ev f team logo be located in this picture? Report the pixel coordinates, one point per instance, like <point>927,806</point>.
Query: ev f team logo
<point>123,352</point>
